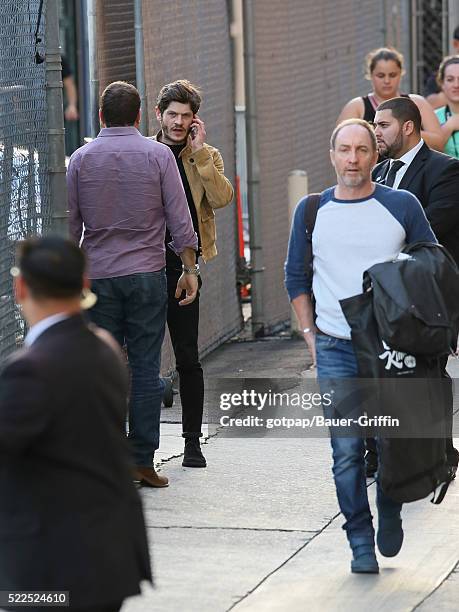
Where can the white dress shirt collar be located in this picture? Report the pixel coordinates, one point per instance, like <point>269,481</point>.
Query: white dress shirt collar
<point>406,159</point>
<point>40,327</point>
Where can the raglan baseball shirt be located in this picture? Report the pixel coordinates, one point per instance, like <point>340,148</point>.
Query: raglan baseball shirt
<point>349,237</point>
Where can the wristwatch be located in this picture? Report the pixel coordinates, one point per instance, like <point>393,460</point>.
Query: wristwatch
<point>306,330</point>
<point>192,270</point>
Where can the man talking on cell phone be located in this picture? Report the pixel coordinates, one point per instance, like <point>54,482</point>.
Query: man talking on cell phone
<point>206,188</point>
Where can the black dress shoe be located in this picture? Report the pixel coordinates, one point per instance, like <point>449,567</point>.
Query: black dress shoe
<point>193,456</point>
<point>371,464</point>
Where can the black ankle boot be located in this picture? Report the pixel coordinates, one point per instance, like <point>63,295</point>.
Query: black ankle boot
<point>193,456</point>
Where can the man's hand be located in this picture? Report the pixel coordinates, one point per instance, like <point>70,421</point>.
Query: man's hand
<point>199,128</point>
<point>310,339</point>
<point>189,284</point>
<point>71,113</point>
<point>302,305</point>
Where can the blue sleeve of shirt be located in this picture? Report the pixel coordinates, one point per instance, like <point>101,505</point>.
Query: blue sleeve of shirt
<point>297,279</point>
<point>417,226</point>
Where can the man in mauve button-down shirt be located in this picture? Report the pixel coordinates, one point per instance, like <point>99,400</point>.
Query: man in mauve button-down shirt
<point>123,189</point>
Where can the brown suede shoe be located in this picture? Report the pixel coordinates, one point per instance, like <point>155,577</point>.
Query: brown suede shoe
<point>148,477</point>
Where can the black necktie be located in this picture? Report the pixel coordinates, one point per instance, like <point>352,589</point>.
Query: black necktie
<point>394,168</point>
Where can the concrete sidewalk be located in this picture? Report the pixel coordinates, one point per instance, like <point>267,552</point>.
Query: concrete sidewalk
<point>260,529</point>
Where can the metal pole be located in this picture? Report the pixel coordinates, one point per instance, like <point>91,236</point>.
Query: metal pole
<point>444,28</point>
<point>414,46</point>
<point>93,66</point>
<point>253,173</point>
<point>83,68</point>
<point>55,116</point>
<point>140,66</point>
<point>453,21</point>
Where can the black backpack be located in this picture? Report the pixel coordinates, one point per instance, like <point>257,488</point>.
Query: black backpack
<point>416,300</point>
<point>400,325</point>
<point>410,468</point>
<point>310,216</point>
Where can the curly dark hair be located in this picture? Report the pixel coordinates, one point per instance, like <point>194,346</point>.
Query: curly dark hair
<point>179,91</point>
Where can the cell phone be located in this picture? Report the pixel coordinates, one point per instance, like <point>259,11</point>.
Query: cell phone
<point>193,131</point>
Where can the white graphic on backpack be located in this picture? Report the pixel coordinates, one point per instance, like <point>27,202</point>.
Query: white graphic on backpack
<point>396,359</point>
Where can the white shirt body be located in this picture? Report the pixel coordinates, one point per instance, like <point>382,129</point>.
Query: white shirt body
<point>406,159</point>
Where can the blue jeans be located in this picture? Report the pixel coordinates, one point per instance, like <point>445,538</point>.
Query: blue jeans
<point>133,308</point>
<point>337,366</point>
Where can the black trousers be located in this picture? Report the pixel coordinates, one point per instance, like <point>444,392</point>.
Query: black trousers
<point>183,324</point>
<point>452,454</point>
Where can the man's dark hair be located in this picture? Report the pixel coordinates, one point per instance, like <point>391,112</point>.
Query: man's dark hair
<point>51,267</point>
<point>456,33</point>
<point>120,104</point>
<point>179,91</point>
<point>403,109</point>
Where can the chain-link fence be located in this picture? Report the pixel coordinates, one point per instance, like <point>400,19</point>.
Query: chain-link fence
<point>24,193</point>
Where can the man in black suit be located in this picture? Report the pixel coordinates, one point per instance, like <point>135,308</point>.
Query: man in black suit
<point>432,177</point>
<point>70,516</point>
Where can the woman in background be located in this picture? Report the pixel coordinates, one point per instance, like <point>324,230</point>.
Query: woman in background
<point>448,79</point>
<point>384,68</point>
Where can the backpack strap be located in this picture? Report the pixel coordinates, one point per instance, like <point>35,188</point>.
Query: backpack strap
<point>440,493</point>
<point>310,211</point>
<point>310,216</point>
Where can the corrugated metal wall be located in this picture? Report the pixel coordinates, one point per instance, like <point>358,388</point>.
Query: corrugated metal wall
<point>309,62</point>
<point>116,41</point>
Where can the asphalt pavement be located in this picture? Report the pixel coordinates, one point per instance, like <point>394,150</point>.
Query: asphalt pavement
<point>259,529</point>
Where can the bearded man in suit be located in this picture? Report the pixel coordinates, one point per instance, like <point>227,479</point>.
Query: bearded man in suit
<point>434,179</point>
<point>70,516</point>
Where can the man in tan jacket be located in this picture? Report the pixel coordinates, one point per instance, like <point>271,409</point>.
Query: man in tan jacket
<point>206,188</point>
